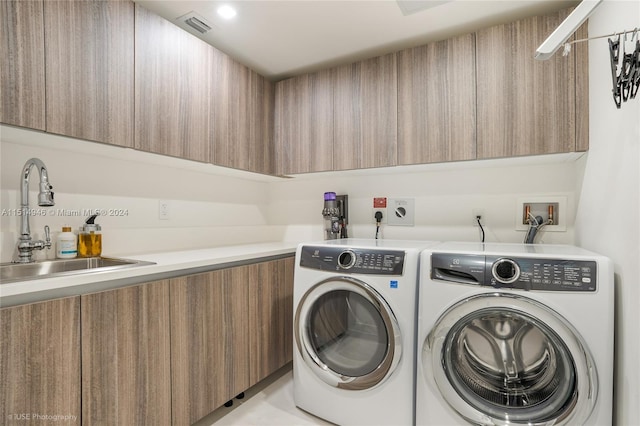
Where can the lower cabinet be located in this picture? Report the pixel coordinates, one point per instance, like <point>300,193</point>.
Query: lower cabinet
<point>158,353</point>
<point>125,356</point>
<point>40,363</point>
<point>229,329</point>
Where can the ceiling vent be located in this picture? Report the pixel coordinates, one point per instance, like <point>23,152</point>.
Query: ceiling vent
<point>196,22</point>
<point>409,7</point>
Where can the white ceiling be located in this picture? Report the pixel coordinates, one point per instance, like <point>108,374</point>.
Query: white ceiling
<point>280,38</point>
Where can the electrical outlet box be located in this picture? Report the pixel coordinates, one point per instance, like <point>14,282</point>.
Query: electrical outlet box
<point>401,211</point>
<point>542,207</point>
<point>163,210</point>
<point>379,205</point>
<point>477,213</point>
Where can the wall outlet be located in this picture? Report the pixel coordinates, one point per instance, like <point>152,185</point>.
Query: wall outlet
<point>401,211</point>
<point>384,215</point>
<point>475,213</point>
<point>379,205</point>
<point>163,210</point>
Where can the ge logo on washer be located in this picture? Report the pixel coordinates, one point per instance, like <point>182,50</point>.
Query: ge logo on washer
<point>393,284</point>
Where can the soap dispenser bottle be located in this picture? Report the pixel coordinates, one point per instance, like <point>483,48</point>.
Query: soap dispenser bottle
<point>66,244</point>
<point>90,238</point>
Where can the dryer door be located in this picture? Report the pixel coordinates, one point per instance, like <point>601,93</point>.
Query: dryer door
<point>347,334</point>
<point>502,359</point>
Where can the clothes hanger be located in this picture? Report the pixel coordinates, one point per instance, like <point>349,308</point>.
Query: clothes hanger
<point>614,54</point>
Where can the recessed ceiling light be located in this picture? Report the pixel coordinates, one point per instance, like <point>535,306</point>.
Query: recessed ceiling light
<point>226,11</point>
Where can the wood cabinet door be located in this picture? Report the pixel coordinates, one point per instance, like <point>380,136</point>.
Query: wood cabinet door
<point>125,356</point>
<point>173,89</point>
<point>525,106</point>
<point>243,116</point>
<point>22,77</point>
<point>40,362</point>
<point>437,102</point>
<point>304,123</point>
<point>270,317</point>
<point>365,114</point>
<point>89,69</point>
<point>261,145</point>
<point>209,341</point>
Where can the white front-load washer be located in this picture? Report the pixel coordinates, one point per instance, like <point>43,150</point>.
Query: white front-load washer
<point>514,334</point>
<point>354,326</point>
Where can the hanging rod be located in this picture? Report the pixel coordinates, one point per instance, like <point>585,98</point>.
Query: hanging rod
<point>567,45</point>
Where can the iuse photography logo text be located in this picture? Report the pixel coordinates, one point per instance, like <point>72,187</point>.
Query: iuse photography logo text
<point>38,417</point>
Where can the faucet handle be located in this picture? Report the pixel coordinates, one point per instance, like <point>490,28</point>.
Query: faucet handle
<point>47,236</point>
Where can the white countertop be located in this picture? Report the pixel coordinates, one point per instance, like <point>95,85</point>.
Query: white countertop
<point>167,265</point>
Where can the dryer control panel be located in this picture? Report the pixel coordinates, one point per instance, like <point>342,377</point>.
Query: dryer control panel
<point>353,260</point>
<point>523,273</point>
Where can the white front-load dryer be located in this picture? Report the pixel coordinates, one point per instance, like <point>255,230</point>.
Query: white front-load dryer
<point>354,326</point>
<point>514,334</point>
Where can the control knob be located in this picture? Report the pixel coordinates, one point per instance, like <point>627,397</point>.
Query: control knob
<point>346,259</point>
<point>505,271</point>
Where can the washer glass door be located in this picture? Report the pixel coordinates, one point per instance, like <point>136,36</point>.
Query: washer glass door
<point>502,359</point>
<point>347,334</point>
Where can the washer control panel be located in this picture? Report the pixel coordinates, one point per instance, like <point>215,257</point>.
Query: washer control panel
<point>353,260</point>
<point>523,273</point>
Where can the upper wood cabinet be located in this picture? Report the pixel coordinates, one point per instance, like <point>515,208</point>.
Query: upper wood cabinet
<point>437,102</point>
<point>89,69</point>
<point>40,368</point>
<point>126,356</point>
<point>243,117</point>
<point>365,114</point>
<point>525,106</point>
<point>173,89</point>
<point>22,78</point>
<point>338,119</point>
<point>304,123</point>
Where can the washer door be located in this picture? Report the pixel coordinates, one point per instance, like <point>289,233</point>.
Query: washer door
<point>503,359</point>
<point>347,334</point>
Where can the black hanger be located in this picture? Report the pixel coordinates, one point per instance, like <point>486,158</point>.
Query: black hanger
<point>614,53</point>
<point>634,79</point>
<point>627,71</point>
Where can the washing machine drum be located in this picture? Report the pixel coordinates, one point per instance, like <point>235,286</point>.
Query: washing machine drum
<point>503,359</point>
<point>347,334</point>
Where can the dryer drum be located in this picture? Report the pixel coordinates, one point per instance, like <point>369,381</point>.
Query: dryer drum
<point>509,364</point>
<point>347,334</point>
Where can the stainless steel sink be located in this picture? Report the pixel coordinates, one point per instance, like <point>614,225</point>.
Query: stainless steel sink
<point>11,272</point>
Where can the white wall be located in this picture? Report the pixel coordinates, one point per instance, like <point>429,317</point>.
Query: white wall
<point>445,195</point>
<point>209,206</point>
<point>608,214</point>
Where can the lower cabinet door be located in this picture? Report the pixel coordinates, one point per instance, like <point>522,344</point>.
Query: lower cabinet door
<point>209,342</point>
<point>125,356</point>
<point>270,317</point>
<point>40,363</point>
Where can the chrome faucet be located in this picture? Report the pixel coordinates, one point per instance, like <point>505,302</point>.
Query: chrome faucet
<point>45,199</point>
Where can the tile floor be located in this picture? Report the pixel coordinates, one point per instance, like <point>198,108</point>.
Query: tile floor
<point>268,403</point>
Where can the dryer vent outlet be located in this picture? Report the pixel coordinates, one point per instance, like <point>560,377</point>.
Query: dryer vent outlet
<point>401,211</point>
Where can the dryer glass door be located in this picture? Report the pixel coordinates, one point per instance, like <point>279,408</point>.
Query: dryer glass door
<point>347,334</point>
<point>510,360</point>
